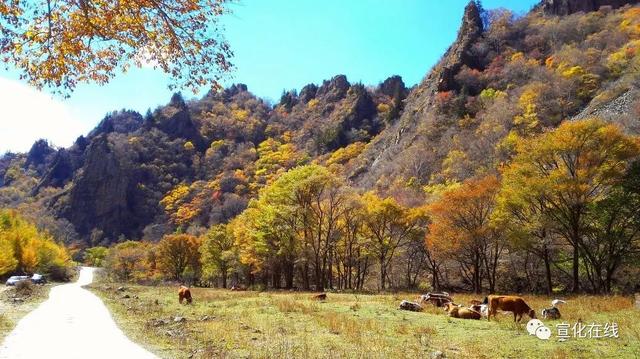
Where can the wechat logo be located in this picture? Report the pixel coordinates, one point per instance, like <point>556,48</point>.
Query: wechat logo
<point>537,328</point>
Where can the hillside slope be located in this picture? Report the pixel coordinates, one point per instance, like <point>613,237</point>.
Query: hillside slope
<point>195,163</point>
<point>517,77</point>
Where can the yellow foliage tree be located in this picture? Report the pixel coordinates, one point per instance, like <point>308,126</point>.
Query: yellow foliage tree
<point>25,249</point>
<point>179,256</point>
<point>527,120</point>
<point>66,42</point>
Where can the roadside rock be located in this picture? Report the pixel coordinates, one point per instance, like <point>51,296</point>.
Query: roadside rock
<point>159,322</point>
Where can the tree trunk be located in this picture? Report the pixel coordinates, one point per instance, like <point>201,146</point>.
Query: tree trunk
<point>576,270</point>
<point>288,274</point>
<point>547,268</point>
<point>224,277</point>
<point>383,273</point>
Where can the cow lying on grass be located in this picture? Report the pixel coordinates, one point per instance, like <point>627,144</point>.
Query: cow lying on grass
<point>410,306</point>
<point>438,299</point>
<point>184,294</point>
<point>554,311</point>
<point>509,303</point>
<point>461,312</point>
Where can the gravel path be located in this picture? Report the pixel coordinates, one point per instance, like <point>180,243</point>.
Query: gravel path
<point>72,323</point>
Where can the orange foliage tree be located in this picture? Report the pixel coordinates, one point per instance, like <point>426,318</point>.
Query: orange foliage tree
<point>461,229</point>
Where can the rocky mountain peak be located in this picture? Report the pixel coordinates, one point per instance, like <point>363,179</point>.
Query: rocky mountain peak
<point>567,7</point>
<point>393,86</point>
<point>458,54</point>
<point>39,154</point>
<point>335,89</point>
<point>472,26</point>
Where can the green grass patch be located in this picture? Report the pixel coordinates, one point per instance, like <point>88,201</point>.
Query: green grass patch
<point>222,323</point>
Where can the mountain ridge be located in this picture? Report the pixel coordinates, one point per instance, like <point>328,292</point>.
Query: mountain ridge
<point>192,164</point>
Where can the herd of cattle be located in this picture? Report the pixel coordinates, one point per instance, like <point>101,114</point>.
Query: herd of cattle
<point>476,309</point>
<point>487,308</point>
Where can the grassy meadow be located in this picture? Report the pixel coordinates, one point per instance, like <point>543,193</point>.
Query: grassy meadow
<point>223,323</point>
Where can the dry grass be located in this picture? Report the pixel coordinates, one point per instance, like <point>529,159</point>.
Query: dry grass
<point>18,301</point>
<point>291,325</point>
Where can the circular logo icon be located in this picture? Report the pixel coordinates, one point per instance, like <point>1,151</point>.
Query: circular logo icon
<point>533,325</point>
<point>543,333</point>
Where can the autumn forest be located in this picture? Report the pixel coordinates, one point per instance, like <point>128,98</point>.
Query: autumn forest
<point>514,166</point>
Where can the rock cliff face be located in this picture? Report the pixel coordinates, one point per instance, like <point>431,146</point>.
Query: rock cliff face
<point>381,157</point>
<point>567,7</point>
<point>106,181</point>
<point>39,155</point>
<point>458,54</point>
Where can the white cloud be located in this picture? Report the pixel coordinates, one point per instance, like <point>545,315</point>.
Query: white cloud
<point>27,115</point>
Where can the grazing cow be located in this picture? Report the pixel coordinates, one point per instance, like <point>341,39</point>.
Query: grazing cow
<point>461,312</point>
<point>554,311</point>
<point>509,303</point>
<point>184,294</point>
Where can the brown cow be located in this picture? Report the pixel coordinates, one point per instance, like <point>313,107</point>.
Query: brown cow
<point>184,294</point>
<point>461,312</point>
<point>509,303</point>
<point>320,297</point>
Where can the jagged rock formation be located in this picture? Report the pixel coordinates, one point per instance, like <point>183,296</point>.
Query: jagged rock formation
<point>341,113</point>
<point>334,89</point>
<point>418,108</point>
<point>393,87</point>
<point>458,54</point>
<point>567,7</point>
<point>39,156</point>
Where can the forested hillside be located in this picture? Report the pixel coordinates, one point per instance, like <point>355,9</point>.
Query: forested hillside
<point>517,150</point>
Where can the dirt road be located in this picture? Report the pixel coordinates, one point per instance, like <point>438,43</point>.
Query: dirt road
<point>72,323</point>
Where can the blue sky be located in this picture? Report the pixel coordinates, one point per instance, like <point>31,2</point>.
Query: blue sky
<point>278,44</point>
